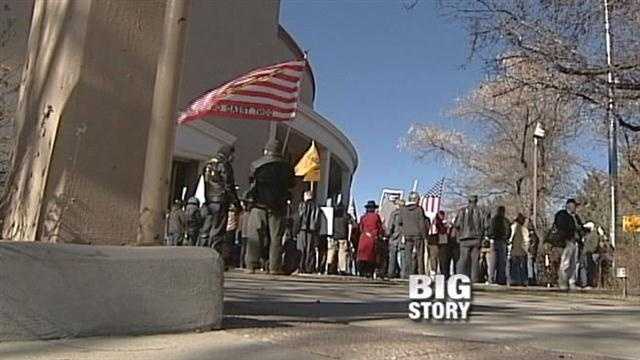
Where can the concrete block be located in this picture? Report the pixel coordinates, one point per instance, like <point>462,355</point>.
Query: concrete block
<point>50,291</point>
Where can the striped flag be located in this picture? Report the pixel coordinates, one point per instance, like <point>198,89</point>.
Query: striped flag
<point>432,198</point>
<point>269,93</point>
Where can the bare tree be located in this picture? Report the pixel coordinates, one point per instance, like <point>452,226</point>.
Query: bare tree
<point>495,160</point>
<point>10,69</point>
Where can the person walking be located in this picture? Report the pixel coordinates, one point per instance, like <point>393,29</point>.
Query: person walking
<point>220,194</point>
<point>499,233</point>
<point>470,230</point>
<point>519,240</point>
<point>413,227</point>
<point>370,231</point>
<point>568,228</point>
<point>589,247</point>
<point>338,252</point>
<point>394,234</point>
<point>271,177</point>
<point>193,221</point>
<point>176,224</point>
<point>307,232</point>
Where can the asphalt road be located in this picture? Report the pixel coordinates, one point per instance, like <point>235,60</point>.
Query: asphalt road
<point>310,317</point>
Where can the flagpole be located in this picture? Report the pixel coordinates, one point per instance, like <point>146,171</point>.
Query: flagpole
<point>161,134</point>
<point>273,129</point>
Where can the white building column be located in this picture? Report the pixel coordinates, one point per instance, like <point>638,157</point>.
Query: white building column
<point>325,167</point>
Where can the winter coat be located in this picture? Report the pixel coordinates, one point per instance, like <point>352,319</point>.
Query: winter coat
<point>519,239</point>
<point>499,228</point>
<point>193,218</point>
<point>412,221</point>
<point>219,181</point>
<point>176,222</point>
<point>341,221</point>
<point>308,218</point>
<point>271,178</point>
<point>566,228</point>
<point>370,232</point>
<point>470,223</point>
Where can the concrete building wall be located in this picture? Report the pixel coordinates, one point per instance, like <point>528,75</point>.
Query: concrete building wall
<point>82,120</point>
<point>86,101</point>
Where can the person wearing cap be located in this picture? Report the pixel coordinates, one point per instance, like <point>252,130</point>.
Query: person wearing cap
<point>470,230</point>
<point>193,221</point>
<point>568,232</point>
<point>220,193</point>
<point>271,177</point>
<point>370,232</point>
<point>175,224</point>
<point>414,227</point>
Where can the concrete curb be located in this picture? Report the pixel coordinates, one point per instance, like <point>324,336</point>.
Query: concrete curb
<point>50,291</point>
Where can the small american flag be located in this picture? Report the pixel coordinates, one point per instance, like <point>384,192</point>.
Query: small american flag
<point>269,93</point>
<point>432,198</point>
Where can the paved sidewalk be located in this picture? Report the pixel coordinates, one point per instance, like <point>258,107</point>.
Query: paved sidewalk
<point>310,317</point>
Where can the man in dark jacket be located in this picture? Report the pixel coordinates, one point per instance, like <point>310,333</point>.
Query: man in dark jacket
<point>499,233</point>
<point>271,178</point>
<point>307,232</point>
<point>470,229</point>
<point>413,227</point>
<point>568,227</point>
<point>193,220</point>
<point>220,192</point>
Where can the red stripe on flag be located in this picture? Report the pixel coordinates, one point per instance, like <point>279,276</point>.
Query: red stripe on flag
<point>275,86</point>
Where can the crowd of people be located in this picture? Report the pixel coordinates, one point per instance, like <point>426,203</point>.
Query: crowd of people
<point>261,231</point>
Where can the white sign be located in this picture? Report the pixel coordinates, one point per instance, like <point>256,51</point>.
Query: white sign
<point>621,272</point>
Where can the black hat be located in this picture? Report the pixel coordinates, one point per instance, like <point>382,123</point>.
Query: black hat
<point>371,205</point>
<point>572,201</point>
<point>225,151</point>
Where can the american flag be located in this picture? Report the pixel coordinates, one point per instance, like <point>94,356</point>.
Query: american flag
<point>432,198</point>
<point>269,93</point>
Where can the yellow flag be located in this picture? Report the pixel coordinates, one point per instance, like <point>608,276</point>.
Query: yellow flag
<point>310,161</point>
<point>312,176</point>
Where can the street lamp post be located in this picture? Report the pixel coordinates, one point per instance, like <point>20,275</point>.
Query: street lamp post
<point>538,134</point>
<point>613,133</point>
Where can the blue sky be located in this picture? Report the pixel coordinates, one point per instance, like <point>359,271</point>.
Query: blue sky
<point>379,68</point>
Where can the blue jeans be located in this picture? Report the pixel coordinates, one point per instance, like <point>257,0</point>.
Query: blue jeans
<point>498,262</point>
